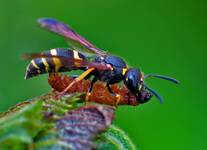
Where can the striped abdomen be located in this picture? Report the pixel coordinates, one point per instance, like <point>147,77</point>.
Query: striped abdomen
<point>52,65</point>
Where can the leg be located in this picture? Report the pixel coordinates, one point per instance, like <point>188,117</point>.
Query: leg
<point>118,97</point>
<point>81,77</point>
<point>90,88</point>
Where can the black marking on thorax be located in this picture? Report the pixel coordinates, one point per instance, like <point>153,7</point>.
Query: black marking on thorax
<point>116,74</point>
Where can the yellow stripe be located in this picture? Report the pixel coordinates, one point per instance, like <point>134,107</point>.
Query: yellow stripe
<point>45,64</point>
<point>53,52</point>
<point>35,65</point>
<point>124,70</point>
<point>57,64</point>
<point>56,61</point>
<point>76,56</point>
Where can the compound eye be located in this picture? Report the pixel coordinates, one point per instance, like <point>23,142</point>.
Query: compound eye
<point>132,80</point>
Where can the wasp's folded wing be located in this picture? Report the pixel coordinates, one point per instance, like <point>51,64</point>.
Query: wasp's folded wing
<point>68,62</point>
<point>75,40</point>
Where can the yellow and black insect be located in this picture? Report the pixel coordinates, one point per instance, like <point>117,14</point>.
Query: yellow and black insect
<point>104,67</point>
<point>51,65</point>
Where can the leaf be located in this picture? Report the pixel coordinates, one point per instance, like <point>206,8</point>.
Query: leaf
<point>115,138</point>
<point>45,123</point>
<point>78,128</point>
<point>18,129</point>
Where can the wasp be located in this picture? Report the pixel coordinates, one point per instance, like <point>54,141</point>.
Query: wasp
<point>94,62</point>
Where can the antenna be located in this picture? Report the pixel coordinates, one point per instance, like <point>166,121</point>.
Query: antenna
<point>173,80</point>
<point>158,96</point>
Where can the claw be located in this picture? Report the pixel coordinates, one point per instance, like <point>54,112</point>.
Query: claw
<point>87,96</point>
<point>118,98</point>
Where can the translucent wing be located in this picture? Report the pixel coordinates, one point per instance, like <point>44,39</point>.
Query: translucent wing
<point>75,40</point>
<point>68,62</point>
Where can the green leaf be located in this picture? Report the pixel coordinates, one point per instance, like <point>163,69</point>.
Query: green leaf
<point>34,125</point>
<point>18,129</point>
<point>115,139</point>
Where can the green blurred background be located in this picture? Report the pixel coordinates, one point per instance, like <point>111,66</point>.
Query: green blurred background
<point>166,37</point>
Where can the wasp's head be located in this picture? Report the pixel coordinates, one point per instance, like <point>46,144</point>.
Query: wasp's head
<point>134,80</point>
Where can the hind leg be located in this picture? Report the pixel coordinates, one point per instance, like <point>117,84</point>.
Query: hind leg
<point>81,77</point>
